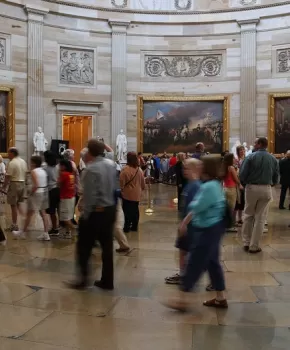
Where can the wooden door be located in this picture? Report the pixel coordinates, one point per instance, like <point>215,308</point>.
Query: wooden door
<point>77,130</point>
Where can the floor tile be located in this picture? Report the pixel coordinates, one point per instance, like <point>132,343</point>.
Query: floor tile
<point>145,309</point>
<point>273,294</point>
<point>240,338</point>
<point>257,266</point>
<point>9,271</point>
<point>70,301</point>
<point>256,314</point>
<point>16,344</point>
<point>18,320</point>
<point>12,259</point>
<point>238,279</point>
<point>12,292</point>
<point>282,277</point>
<point>110,334</point>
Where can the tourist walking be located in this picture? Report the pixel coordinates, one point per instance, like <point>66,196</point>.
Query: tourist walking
<point>181,181</point>
<point>240,203</point>
<point>207,218</point>
<point>98,217</point>
<point>284,167</point>
<point>2,202</point>
<point>132,183</point>
<point>53,191</point>
<point>259,171</point>
<point>37,200</point>
<point>15,179</point>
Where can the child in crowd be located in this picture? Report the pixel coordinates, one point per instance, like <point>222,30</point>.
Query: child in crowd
<point>66,183</point>
<point>191,171</point>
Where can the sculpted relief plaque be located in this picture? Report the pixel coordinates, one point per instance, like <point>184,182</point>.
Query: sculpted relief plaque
<point>182,66</point>
<point>3,51</point>
<point>77,66</point>
<point>283,60</point>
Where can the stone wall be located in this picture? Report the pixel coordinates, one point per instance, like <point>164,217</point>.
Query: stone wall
<point>115,51</point>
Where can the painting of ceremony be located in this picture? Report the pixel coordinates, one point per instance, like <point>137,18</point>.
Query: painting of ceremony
<point>170,126</point>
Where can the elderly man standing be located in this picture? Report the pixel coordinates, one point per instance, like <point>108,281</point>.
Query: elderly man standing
<point>259,171</point>
<point>15,177</point>
<point>98,218</point>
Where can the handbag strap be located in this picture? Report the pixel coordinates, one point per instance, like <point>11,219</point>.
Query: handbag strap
<point>127,183</point>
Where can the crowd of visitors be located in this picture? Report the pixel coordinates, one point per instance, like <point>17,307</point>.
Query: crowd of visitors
<point>214,195</point>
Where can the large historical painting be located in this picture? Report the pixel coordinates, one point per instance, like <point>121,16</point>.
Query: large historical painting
<point>176,124</point>
<point>279,123</point>
<point>6,119</point>
<point>77,66</point>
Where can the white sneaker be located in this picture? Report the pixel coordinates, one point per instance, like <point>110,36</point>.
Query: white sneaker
<point>19,234</point>
<point>44,237</point>
<point>265,230</point>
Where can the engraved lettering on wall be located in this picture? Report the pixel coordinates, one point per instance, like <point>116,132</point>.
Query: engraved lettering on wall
<point>120,4</point>
<point>183,66</point>
<point>182,5</point>
<point>283,60</point>
<point>2,51</point>
<point>76,66</point>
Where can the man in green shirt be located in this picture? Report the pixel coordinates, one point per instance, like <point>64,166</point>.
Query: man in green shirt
<point>259,171</point>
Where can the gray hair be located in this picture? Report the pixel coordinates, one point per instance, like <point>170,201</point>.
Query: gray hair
<point>84,151</point>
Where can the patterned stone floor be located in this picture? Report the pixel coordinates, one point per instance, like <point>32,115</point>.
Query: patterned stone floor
<point>38,313</point>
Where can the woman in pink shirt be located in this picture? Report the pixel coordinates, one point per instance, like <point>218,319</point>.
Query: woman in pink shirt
<point>231,180</point>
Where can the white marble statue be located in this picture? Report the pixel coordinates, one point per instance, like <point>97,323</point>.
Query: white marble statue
<point>250,150</point>
<point>246,147</point>
<point>39,141</point>
<point>121,145</point>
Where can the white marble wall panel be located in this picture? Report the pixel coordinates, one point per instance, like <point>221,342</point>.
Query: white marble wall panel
<point>228,84</point>
<point>53,37</point>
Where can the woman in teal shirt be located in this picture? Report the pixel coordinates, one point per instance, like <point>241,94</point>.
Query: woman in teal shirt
<point>206,215</point>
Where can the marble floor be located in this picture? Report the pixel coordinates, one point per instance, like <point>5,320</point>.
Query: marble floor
<point>38,313</point>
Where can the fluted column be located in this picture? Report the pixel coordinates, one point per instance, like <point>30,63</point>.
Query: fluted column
<point>248,80</point>
<point>35,118</point>
<point>119,78</point>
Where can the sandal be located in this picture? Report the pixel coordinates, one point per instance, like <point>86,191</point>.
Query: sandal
<point>255,251</point>
<point>220,304</point>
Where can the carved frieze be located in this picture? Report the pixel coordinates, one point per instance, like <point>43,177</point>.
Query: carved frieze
<point>182,5</point>
<point>3,51</point>
<point>77,66</point>
<point>248,2</point>
<point>119,4</point>
<point>182,66</point>
<point>283,60</point>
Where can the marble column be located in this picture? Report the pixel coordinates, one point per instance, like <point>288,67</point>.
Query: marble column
<point>248,80</point>
<point>35,118</point>
<point>119,78</point>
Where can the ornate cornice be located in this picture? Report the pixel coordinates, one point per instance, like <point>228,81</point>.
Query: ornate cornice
<point>36,13</point>
<point>137,11</point>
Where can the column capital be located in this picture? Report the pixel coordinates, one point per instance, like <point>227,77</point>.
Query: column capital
<point>119,27</point>
<point>36,13</point>
<point>248,25</point>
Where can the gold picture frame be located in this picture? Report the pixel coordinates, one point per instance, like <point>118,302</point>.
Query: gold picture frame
<point>211,98</point>
<point>273,97</point>
<point>10,117</point>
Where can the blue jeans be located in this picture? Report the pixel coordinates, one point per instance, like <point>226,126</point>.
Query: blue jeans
<point>204,255</point>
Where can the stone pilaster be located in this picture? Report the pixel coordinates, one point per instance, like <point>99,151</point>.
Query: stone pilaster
<point>119,78</point>
<point>35,118</point>
<point>248,80</point>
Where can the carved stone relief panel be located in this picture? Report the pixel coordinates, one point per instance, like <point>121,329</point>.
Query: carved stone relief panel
<point>161,5</point>
<point>182,66</point>
<point>4,51</point>
<point>77,66</point>
<point>242,3</point>
<point>183,5</point>
<point>119,4</point>
<point>283,60</point>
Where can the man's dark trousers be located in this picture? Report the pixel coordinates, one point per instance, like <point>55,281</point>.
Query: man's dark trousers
<point>99,226</point>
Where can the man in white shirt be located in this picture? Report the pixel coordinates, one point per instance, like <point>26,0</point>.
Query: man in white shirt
<point>15,177</point>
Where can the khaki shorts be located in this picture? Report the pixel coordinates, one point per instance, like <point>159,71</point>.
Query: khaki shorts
<point>66,209</point>
<point>37,202</point>
<point>15,193</point>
